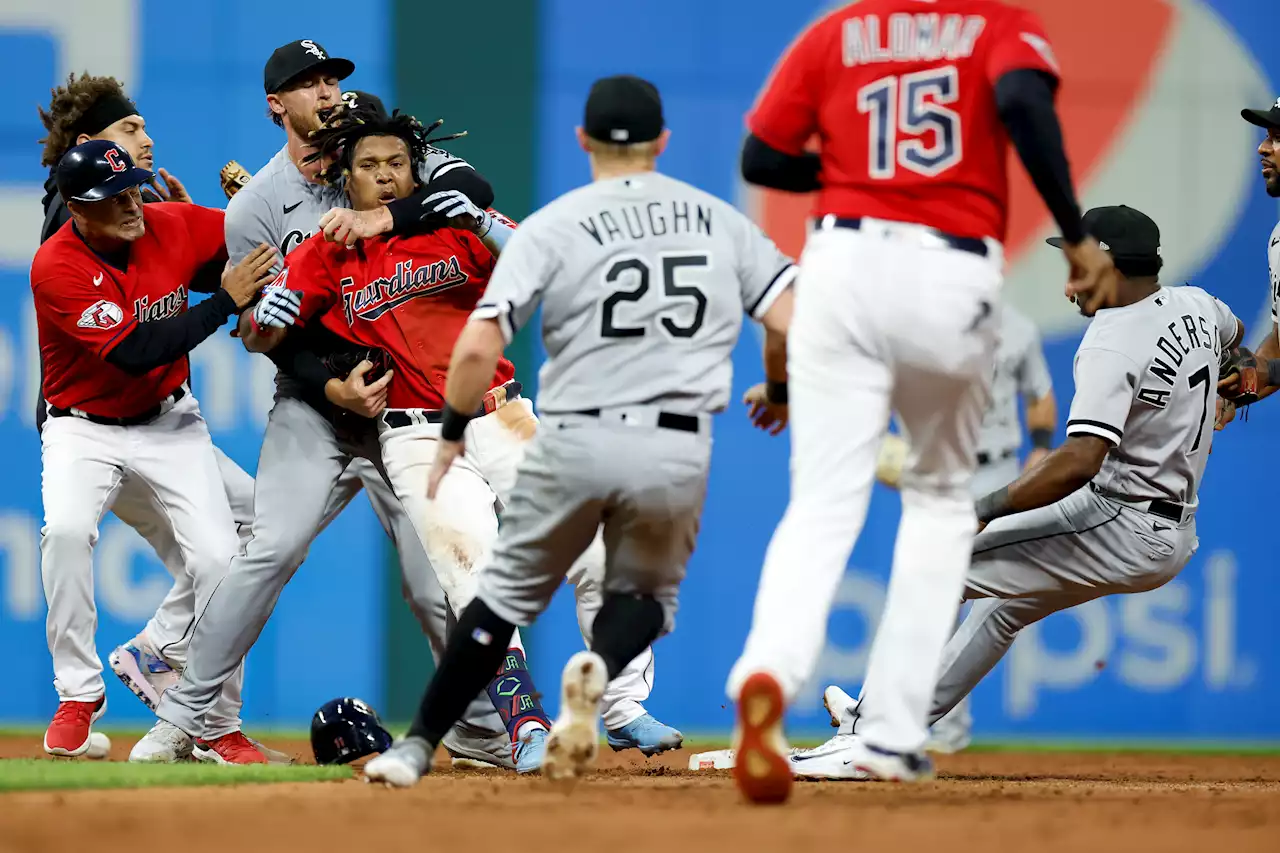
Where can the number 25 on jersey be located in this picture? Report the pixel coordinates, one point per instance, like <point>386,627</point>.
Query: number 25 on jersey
<point>903,110</point>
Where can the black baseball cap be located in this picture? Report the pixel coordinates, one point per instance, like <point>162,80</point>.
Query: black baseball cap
<point>296,58</point>
<point>97,170</point>
<point>623,110</point>
<point>1270,119</point>
<point>1128,234</point>
<point>354,99</point>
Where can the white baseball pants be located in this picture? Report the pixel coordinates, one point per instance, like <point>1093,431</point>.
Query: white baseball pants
<point>84,466</point>
<point>459,528</point>
<point>887,317</point>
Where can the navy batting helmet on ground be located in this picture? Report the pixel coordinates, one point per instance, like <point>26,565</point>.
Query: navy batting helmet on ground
<point>97,170</point>
<point>346,729</point>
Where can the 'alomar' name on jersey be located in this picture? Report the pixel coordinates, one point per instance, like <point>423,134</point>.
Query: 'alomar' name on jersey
<point>652,220</point>
<point>1200,333</point>
<point>923,36</point>
<point>371,301</point>
<point>169,305</point>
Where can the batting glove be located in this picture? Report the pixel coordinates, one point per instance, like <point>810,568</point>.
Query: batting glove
<point>278,308</point>
<point>452,204</point>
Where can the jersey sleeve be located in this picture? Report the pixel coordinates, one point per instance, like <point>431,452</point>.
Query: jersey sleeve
<point>247,224</point>
<point>440,162</point>
<point>1034,381</point>
<point>1106,382</point>
<point>764,272</point>
<point>785,114</point>
<point>306,272</point>
<point>93,315</point>
<point>206,231</point>
<point>1228,322</point>
<point>1021,43</point>
<point>519,278</point>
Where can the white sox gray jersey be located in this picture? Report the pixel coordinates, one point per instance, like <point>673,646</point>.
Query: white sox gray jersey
<point>1273,264</point>
<point>1020,371</point>
<point>1146,376</point>
<point>643,281</point>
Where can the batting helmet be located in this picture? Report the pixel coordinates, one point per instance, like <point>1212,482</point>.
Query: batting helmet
<point>96,170</point>
<point>346,729</point>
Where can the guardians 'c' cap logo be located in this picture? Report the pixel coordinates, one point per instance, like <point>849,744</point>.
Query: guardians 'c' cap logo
<point>114,160</point>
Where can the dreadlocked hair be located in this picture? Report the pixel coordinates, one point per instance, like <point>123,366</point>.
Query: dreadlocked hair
<point>338,137</point>
<point>67,106</point>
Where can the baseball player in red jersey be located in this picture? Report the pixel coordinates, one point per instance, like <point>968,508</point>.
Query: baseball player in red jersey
<point>914,104</point>
<point>110,296</point>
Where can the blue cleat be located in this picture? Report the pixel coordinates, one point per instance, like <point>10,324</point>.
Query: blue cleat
<point>645,734</point>
<point>530,751</point>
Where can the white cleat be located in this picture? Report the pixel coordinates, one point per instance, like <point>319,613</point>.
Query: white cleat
<point>850,758</point>
<point>401,766</point>
<point>842,707</point>
<point>575,736</point>
<point>164,744</point>
<point>143,670</point>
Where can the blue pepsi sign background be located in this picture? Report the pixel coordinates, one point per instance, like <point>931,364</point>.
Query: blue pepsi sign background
<point>1158,129</point>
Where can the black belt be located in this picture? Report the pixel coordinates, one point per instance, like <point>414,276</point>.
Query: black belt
<point>133,420</point>
<point>987,458</point>
<point>494,398</point>
<point>973,245</point>
<point>1164,509</point>
<point>666,420</point>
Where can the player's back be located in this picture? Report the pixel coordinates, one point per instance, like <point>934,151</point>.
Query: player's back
<point>647,302</point>
<point>901,96</point>
<point>1169,347</point>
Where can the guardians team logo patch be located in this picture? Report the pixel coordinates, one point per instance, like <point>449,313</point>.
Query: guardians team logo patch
<point>385,294</point>
<point>101,315</point>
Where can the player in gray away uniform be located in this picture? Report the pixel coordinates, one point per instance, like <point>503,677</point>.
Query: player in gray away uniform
<point>1268,353</point>
<point>643,281</point>
<point>282,206</point>
<point>1113,509</point>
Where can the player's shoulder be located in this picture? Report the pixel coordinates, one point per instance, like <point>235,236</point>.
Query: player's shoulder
<point>63,252</point>
<point>166,215</point>
<point>1274,240</point>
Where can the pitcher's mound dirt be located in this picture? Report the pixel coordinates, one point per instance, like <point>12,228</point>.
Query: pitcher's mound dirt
<point>1006,802</point>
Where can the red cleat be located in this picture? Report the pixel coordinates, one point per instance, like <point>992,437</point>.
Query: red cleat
<point>234,748</point>
<point>68,734</point>
<point>761,770</point>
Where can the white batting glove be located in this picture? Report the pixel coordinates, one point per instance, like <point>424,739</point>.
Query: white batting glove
<point>278,308</point>
<point>454,205</point>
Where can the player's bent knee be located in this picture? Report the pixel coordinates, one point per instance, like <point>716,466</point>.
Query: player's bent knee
<point>69,533</point>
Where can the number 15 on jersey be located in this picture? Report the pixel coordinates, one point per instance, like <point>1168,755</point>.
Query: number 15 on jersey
<point>903,111</point>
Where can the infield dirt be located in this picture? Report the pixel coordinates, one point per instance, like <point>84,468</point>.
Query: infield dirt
<point>1078,802</point>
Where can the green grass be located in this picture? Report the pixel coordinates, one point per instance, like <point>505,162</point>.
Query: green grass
<point>39,774</point>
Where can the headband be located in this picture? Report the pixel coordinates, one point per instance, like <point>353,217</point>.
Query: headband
<point>105,112</point>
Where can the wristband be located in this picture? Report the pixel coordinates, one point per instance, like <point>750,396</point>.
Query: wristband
<point>453,424</point>
<point>776,392</point>
<point>992,506</point>
<point>1042,439</point>
<point>1273,371</point>
<point>253,323</point>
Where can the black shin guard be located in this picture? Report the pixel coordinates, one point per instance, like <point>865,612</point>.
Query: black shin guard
<point>474,652</point>
<point>625,626</point>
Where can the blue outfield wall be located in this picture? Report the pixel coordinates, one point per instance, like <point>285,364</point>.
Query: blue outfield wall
<point>201,93</point>
<point>1199,658</point>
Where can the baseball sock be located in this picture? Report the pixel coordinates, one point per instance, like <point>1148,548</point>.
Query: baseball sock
<point>475,651</point>
<point>625,626</point>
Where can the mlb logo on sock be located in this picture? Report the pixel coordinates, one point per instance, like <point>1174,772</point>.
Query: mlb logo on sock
<point>482,637</point>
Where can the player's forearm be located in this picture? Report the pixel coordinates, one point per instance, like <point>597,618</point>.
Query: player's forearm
<point>1270,350</point>
<point>255,338</point>
<point>1063,471</point>
<point>407,213</point>
<point>775,356</point>
<point>294,359</point>
<point>494,235</point>
<point>156,343</point>
<point>1024,99</point>
<point>471,369</point>
<point>1042,420</point>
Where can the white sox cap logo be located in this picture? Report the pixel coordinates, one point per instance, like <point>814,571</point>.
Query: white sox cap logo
<point>313,49</point>
<point>101,315</point>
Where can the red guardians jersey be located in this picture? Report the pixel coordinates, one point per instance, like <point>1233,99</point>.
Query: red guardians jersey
<point>900,96</point>
<point>85,307</point>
